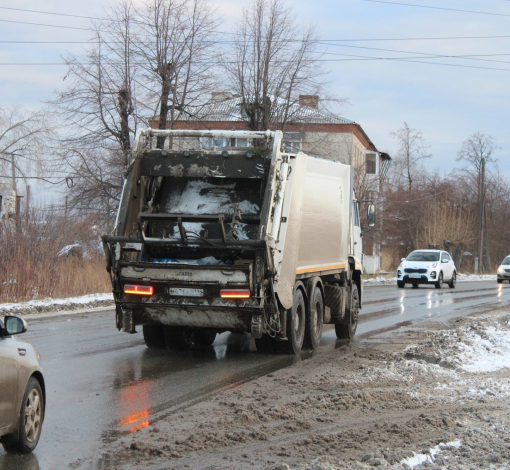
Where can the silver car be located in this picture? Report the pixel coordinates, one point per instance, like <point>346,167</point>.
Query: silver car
<point>22,392</point>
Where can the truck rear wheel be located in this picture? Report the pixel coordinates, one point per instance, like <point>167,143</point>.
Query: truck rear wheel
<point>348,329</point>
<point>314,320</point>
<point>266,344</point>
<point>296,317</point>
<point>154,336</point>
<point>175,337</point>
<point>203,337</point>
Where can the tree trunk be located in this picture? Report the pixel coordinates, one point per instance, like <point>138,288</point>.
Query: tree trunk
<point>124,112</point>
<point>165,73</point>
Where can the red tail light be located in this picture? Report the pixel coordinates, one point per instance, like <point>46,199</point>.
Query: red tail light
<point>138,290</point>
<point>235,293</point>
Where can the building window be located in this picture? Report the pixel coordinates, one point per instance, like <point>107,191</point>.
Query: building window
<point>292,142</point>
<point>241,142</point>
<point>209,143</point>
<point>370,164</point>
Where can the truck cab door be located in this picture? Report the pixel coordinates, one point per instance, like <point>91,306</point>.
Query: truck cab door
<point>356,232</point>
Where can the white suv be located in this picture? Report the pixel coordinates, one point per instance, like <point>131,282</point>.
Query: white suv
<point>504,270</point>
<point>427,267</point>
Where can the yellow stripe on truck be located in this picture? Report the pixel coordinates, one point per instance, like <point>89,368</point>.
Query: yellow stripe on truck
<point>320,268</point>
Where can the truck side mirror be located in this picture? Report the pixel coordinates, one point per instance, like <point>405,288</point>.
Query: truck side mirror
<point>371,215</point>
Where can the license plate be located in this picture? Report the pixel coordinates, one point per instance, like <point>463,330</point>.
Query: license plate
<point>186,292</point>
<point>415,276</point>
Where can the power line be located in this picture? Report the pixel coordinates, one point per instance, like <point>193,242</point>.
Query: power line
<point>42,24</point>
<point>355,58</point>
<point>437,8</point>
<point>321,41</point>
<point>52,13</point>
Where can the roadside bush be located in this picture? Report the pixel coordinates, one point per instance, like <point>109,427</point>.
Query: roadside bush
<point>34,263</point>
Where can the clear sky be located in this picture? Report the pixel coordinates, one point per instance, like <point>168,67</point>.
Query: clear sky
<point>447,98</point>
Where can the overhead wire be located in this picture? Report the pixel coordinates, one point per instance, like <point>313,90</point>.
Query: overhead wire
<point>437,8</point>
<point>51,13</point>
<point>328,42</point>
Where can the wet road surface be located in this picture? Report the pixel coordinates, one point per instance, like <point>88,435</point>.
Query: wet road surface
<point>102,383</point>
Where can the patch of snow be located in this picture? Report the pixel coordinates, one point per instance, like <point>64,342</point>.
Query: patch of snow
<point>68,248</point>
<point>418,459</point>
<point>202,197</point>
<point>48,302</point>
<point>133,246</point>
<point>207,261</point>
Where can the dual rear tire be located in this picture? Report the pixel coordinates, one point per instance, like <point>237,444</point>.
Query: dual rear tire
<point>304,324</point>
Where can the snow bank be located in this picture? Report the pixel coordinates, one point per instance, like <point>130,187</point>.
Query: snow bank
<point>381,281</point>
<point>475,277</point>
<point>484,346</point>
<point>33,306</point>
<point>485,351</point>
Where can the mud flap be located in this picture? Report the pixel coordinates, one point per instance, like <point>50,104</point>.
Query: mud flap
<point>256,326</point>
<point>118,317</point>
<point>128,321</point>
<point>336,299</point>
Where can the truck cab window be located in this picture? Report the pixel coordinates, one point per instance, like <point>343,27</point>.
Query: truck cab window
<point>355,214</point>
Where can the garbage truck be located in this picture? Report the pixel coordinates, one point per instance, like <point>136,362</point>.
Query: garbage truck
<point>213,237</point>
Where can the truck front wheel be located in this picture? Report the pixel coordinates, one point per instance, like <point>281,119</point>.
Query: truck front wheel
<point>296,317</point>
<point>348,329</point>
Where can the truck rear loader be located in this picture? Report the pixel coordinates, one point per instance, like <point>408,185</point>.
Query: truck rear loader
<point>244,239</point>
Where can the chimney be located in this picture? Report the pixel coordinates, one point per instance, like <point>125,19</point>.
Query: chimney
<point>312,101</point>
<point>219,96</point>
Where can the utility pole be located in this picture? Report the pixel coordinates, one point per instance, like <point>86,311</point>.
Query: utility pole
<point>13,174</point>
<point>17,211</point>
<point>482,216</point>
<point>27,204</point>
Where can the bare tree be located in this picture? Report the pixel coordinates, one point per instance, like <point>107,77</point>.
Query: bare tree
<point>99,112</point>
<point>477,152</point>
<point>22,135</point>
<point>411,151</point>
<point>176,51</point>
<point>274,61</point>
<point>99,106</point>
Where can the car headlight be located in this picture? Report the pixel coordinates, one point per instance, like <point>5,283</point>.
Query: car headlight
<point>431,266</point>
<point>403,265</point>
<point>500,270</point>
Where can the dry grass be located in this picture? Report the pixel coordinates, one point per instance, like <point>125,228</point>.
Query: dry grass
<point>30,267</point>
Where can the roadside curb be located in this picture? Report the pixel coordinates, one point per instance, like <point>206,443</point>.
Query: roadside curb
<point>63,313</point>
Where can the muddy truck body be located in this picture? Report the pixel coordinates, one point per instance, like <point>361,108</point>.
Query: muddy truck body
<point>253,239</point>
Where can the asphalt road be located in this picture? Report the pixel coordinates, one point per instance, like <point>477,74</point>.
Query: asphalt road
<point>102,383</point>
